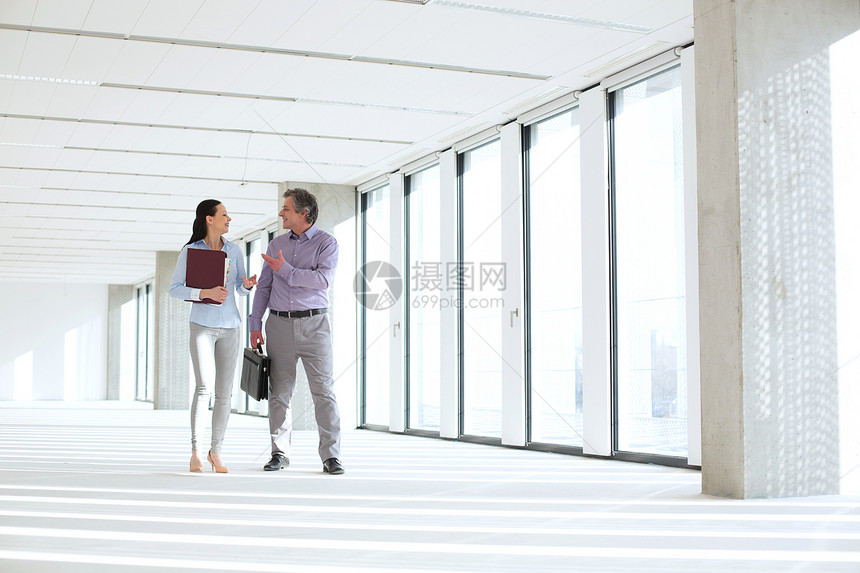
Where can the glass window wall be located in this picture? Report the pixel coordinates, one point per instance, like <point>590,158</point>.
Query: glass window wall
<point>555,279</point>
<point>425,289</point>
<point>377,353</point>
<point>480,263</point>
<point>649,273</point>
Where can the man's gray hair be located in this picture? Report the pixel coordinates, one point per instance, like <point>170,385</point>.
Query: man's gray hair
<point>304,202</point>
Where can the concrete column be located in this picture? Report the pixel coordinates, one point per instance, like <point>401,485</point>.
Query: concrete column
<point>337,216</point>
<point>766,245</point>
<point>172,359</point>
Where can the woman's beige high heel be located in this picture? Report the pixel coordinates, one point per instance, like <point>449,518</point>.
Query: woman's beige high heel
<point>215,467</point>
<point>196,464</point>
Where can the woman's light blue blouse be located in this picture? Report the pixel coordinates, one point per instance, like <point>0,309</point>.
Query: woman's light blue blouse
<point>225,315</point>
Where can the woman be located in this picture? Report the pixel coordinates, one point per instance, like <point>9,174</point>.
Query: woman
<point>214,328</point>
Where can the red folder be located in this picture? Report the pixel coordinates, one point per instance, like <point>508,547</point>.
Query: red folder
<point>205,269</point>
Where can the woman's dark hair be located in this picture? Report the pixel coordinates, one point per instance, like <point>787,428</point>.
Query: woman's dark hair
<point>205,209</point>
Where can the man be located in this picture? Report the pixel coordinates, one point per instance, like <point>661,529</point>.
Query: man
<point>293,285</point>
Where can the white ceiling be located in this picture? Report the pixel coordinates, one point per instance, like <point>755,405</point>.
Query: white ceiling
<point>118,117</point>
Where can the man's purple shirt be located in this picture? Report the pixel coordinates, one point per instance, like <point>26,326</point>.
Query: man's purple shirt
<point>302,281</point>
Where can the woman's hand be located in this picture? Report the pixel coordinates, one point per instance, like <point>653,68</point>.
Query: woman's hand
<point>249,283</point>
<point>218,294</point>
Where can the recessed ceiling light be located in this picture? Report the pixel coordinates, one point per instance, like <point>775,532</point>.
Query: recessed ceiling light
<point>30,145</point>
<point>46,79</point>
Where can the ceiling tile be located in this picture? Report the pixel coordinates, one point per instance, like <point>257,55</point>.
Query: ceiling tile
<point>113,16</point>
<point>166,18</point>
<point>54,132</point>
<point>222,69</point>
<point>216,20</point>
<point>6,89</point>
<point>46,55</point>
<point>184,110</point>
<point>222,112</point>
<point>91,58</point>
<point>31,98</point>
<point>69,14</point>
<point>147,107</point>
<point>18,12</point>
<point>12,44</point>
<point>109,103</point>
<point>369,26</point>
<point>268,22</point>
<point>264,73</point>
<point>12,155</point>
<point>319,23</point>
<point>180,64</point>
<point>87,134</point>
<point>71,101</point>
<point>136,62</point>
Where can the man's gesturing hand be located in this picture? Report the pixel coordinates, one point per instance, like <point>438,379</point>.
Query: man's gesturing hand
<point>275,263</point>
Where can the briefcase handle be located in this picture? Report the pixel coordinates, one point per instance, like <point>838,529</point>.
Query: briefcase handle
<point>259,349</point>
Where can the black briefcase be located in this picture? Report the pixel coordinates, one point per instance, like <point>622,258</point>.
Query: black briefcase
<point>255,374</point>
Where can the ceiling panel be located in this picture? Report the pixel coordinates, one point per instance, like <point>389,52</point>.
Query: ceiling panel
<point>216,20</point>
<point>61,13</point>
<point>185,111</point>
<point>147,107</point>
<point>268,22</point>
<point>13,155</point>
<point>166,18</point>
<point>85,134</point>
<point>163,140</point>
<point>41,158</point>
<point>31,98</point>
<point>17,12</point>
<point>380,124</point>
<point>222,69</point>
<point>226,112</point>
<point>259,77</point>
<point>40,56</point>
<point>107,104</point>
<point>12,43</point>
<point>53,132</point>
<point>319,23</point>
<point>136,62</point>
<point>113,16</point>
<point>6,89</point>
<point>21,177</point>
<point>322,150</point>
<point>70,101</point>
<point>368,26</point>
<point>11,210</point>
<point>91,58</point>
<point>179,65</point>
<point>257,117</point>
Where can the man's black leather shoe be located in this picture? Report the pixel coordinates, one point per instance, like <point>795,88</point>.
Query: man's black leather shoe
<point>277,462</point>
<point>332,466</point>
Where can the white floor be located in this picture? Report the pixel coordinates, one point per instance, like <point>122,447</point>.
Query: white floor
<point>101,487</point>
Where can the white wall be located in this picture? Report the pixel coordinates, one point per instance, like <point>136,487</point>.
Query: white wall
<point>53,341</point>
